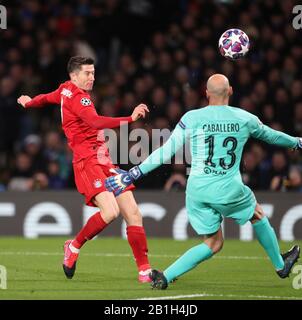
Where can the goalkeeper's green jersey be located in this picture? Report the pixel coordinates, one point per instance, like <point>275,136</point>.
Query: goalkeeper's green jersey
<point>217,135</point>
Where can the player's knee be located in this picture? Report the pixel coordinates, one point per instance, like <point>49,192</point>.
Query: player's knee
<point>110,211</point>
<point>133,216</point>
<point>115,211</point>
<point>214,244</point>
<point>110,214</point>
<point>136,213</point>
<point>217,246</point>
<point>258,214</point>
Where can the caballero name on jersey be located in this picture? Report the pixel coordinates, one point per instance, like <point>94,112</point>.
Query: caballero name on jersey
<point>221,127</point>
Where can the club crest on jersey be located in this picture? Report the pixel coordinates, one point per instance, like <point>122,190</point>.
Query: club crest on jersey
<point>85,102</point>
<point>67,93</point>
<point>97,183</point>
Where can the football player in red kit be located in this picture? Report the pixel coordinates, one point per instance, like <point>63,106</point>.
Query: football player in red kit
<point>92,164</point>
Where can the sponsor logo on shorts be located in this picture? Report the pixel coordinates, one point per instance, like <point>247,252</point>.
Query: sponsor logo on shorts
<point>97,183</point>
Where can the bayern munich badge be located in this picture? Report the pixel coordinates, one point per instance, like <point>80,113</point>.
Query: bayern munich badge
<point>97,183</point>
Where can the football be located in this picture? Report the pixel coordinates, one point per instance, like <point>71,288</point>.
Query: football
<point>234,44</point>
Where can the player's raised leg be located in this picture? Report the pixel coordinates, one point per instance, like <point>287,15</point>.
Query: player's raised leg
<point>109,210</point>
<point>266,236</point>
<point>212,244</point>
<point>135,233</point>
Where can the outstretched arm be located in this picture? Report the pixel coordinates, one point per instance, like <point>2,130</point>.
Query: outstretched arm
<point>121,181</point>
<point>89,116</point>
<point>164,153</point>
<point>40,100</point>
<point>262,132</point>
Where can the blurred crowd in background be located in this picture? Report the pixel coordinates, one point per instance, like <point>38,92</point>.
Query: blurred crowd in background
<point>155,52</point>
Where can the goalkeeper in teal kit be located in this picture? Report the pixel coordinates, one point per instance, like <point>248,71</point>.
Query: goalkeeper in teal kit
<point>217,135</point>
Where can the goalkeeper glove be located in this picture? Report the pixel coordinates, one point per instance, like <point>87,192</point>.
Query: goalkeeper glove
<point>299,145</point>
<point>118,183</point>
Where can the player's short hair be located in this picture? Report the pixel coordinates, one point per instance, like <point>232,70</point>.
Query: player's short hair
<point>76,62</point>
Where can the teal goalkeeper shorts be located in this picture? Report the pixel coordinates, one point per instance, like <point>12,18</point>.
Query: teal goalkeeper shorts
<point>205,218</point>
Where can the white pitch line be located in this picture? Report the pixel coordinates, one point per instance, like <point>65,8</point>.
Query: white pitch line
<point>41,253</point>
<point>240,257</point>
<point>200,295</point>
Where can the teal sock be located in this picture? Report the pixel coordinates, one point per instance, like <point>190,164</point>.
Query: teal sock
<point>267,238</point>
<point>189,260</point>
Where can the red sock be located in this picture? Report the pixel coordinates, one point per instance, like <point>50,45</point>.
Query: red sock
<point>94,225</point>
<point>138,242</point>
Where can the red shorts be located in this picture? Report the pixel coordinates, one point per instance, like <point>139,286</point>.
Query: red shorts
<point>90,178</point>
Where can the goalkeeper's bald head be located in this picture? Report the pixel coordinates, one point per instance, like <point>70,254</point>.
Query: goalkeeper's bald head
<point>218,87</point>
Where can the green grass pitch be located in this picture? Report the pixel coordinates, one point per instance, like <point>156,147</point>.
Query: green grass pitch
<point>106,270</point>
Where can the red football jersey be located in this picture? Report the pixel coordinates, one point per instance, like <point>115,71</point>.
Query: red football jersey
<point>82,125</point>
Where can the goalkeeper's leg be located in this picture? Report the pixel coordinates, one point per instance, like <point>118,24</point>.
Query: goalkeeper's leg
<point>190,259</point>
<point>266,236</point>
